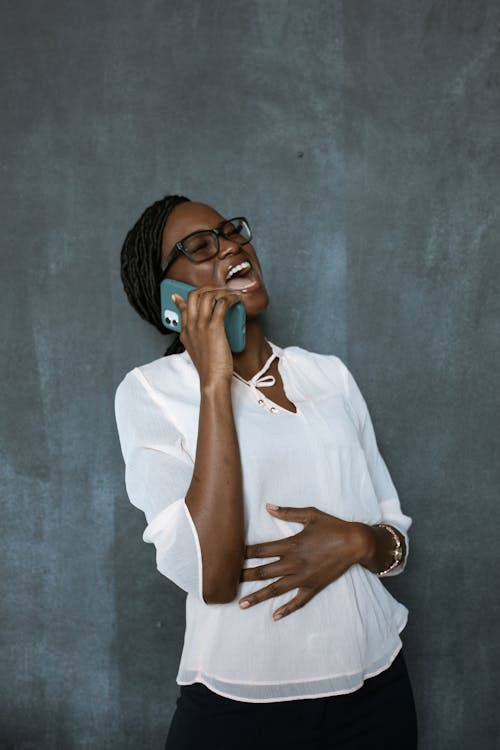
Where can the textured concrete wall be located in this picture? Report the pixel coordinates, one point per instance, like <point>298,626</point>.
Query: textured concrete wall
<point>361,140</point>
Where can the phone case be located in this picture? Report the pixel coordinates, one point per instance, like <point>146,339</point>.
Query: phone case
<point>234,322</point>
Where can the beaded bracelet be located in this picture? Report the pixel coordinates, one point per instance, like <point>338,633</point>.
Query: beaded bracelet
<point>398,552</point>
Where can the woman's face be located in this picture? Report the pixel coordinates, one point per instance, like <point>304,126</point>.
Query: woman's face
<point>189,217</point>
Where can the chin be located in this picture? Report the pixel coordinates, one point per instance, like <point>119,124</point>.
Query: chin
<point>257,303</point>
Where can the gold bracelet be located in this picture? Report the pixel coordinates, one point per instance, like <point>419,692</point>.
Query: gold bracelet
<point>398,551</point>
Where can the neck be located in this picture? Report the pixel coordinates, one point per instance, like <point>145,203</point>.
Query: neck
<point>256,351</point>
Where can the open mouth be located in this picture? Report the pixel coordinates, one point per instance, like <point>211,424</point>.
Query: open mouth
<point>242,276</point>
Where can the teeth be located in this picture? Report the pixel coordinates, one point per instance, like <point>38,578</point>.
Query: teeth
<point>236,269</point>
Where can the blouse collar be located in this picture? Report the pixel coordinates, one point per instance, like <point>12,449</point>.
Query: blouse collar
<point>259,380</point>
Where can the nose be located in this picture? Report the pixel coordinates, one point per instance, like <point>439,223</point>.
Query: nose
<point>227,247</point>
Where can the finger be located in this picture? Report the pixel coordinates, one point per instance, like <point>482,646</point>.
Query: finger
<point>207,301</point>
<point>195,297</point>
<point>297,515</point>
<point>200,291</point>
<point>193,301</point>
<point>179,301</point>
<point>275,548</point>
<point>303,596</point>
<point>223,304</point>
<point>261,572</point>
<point>287,583</point>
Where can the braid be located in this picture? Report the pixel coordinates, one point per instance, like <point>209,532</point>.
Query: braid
<point>141,264</point>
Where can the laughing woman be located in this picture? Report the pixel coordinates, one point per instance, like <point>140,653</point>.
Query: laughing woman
<point>268,502</point>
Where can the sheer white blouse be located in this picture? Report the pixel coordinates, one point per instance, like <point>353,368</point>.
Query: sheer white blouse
<point>324,455</point>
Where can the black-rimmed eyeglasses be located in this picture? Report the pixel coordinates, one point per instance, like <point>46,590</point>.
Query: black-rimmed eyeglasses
<point>204,243</point>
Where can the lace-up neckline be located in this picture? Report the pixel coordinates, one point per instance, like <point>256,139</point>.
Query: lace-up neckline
<point>259,380</point>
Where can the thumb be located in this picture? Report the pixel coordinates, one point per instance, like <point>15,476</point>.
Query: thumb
<point>299,515</point>
<point>179,301</point>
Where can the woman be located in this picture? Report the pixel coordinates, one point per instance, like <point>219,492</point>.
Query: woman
<point>268,502</point>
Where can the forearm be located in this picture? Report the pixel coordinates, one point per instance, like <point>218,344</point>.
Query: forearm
<point>215,495</point>
<point>376,547</point>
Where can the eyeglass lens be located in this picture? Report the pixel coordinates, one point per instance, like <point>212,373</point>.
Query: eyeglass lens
<point>204,244</point>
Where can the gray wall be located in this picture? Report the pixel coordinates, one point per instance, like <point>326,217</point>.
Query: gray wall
<point>361,140</point>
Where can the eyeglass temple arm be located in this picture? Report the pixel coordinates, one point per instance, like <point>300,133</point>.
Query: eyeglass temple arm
<point>170,257</point>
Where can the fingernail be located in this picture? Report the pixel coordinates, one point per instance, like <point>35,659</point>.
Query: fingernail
<point>244,605</point>
<point>273,507</point>
<point>277,615</point>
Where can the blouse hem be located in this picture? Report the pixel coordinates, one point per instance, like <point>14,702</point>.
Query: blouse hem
<point>208,681</point>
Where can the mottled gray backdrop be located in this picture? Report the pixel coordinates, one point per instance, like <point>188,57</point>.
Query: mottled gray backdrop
<point>361,140</point>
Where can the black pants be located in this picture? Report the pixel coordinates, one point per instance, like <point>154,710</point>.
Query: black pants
<point>379,715</point>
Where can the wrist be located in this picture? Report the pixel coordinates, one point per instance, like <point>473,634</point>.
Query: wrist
<point>215,388</point>
<point>380,548</point>
<point>365,544</point>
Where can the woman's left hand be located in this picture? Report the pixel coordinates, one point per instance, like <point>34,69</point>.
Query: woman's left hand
<point>319,554</point>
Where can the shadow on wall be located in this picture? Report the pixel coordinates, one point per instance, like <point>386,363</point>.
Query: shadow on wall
<point>19,730</point>
<point>148,637</point>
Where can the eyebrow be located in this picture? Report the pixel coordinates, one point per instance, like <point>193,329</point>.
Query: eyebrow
<point>220,224</point>
<point>207,229</point>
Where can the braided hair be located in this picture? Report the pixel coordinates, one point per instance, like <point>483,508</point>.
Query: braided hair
<point>141,264</point>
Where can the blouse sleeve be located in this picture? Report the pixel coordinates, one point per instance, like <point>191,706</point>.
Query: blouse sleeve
<point>158,473</point>
<point>390,508</point>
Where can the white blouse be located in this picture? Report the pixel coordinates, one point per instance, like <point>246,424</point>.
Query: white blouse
<point>324,455</point>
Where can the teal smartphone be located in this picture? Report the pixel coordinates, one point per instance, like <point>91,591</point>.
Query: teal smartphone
<point>234,321</point>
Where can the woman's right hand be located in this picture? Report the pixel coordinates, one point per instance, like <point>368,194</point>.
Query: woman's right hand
<point>203,334</point>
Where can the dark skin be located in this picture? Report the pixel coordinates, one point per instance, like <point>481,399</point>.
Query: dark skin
<point>327,546</point>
